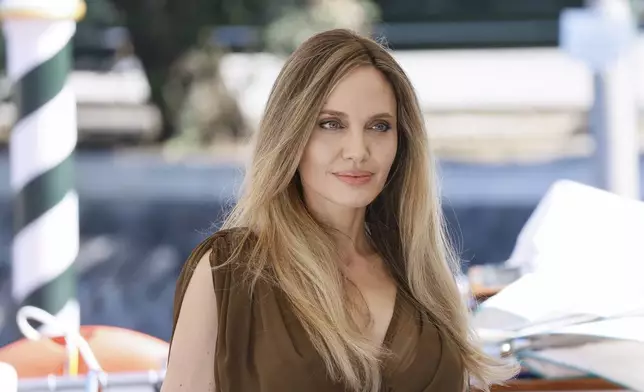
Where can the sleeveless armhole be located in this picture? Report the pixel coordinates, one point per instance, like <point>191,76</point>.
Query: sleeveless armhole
<point>218,246</point>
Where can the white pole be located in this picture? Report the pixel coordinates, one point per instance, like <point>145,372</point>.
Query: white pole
<point>38,37</point>
<point>614,111</point>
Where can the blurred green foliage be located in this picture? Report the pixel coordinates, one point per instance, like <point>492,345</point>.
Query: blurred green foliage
<point>101,13</point>
<point>298,23</point>
<point>174,43</point>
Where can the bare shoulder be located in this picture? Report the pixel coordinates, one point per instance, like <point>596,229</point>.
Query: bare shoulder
<point>194,338</point>
<point>213,250</point>
<point>210,253</point>
<point>191,361</point>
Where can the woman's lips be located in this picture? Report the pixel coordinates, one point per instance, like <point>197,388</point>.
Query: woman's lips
<point>354,177</point>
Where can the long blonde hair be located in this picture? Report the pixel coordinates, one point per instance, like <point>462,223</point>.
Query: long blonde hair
<point>296,253</point>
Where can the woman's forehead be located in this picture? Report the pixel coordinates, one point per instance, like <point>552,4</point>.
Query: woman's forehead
<point>363,89</point>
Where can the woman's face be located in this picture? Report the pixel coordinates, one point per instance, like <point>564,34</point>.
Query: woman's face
<point>347,159</point>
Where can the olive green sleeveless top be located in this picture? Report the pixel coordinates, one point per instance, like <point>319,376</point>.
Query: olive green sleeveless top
<point>261,345</point>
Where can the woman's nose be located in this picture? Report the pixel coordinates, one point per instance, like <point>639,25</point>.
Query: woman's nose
<point>355,146</point>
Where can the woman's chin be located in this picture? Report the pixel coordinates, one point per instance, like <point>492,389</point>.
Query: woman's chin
<point>354,202</point>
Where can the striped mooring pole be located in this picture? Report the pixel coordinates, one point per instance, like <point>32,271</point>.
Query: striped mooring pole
<point>38,35</point>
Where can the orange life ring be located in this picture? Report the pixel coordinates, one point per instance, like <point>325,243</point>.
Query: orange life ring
<point>116,349</point>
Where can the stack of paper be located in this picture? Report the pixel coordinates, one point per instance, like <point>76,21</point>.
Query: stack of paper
<point>579,308</point>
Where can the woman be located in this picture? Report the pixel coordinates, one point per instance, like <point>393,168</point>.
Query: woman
<point>333,272</point>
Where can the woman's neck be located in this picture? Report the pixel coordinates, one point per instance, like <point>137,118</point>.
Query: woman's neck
<point>349,226</point>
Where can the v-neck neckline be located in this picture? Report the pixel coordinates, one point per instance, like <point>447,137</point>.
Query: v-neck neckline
<point>393,323</point>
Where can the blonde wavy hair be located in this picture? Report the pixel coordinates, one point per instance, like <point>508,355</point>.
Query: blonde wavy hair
<point>297,254</point>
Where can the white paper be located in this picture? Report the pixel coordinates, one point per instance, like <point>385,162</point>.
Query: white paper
<point>549,370</point>
<point>620,362</point>
<point>580,309</point>
<point>626,328</point>
<point>585,247</point>
<point>579,229</point>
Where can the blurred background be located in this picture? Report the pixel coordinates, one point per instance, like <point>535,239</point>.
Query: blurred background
<point>169,93</point>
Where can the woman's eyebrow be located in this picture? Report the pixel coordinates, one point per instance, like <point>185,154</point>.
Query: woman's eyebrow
<point>333,113</point>
<point>344,115</point>
<point>382,115</point>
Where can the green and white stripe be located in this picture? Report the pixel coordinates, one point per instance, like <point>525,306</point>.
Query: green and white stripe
<point>46,241</point>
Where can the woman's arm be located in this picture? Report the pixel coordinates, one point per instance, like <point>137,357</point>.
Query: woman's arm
<point>191,364</point>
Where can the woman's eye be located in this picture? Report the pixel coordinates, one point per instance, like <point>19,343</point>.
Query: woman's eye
<point>330,124</point>
<point>382,127</point>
